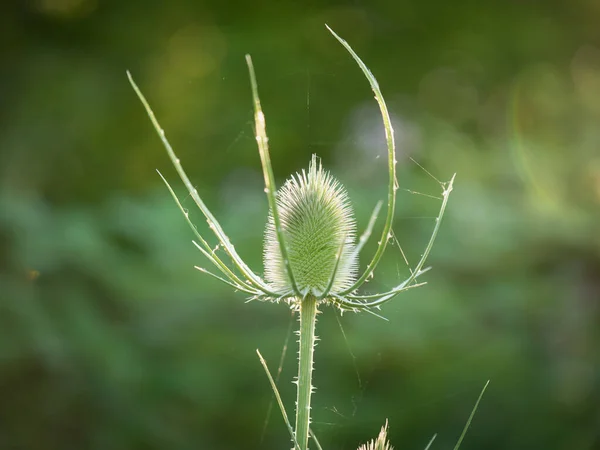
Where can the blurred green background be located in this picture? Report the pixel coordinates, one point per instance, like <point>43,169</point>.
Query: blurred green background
<point>109,339</point>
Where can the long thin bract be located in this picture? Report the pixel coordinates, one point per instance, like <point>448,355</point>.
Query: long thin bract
<point>212,221</point>
<point>314,436</point>
<point>338,256</point>
<point>431,442</point>
<point>391,146</point>
<point>418,269</point>
<point>207,251</point>
<point>279,401</point>
<point>464,432</point>
<point>353,302</point>
<point>265,159</point>
<point>367,233</point>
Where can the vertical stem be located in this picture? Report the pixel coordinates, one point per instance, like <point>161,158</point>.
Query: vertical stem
<point>308,319</point>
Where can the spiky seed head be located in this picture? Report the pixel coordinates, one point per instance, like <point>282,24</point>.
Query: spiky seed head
<point>381,443</point>
<point>317,221</point>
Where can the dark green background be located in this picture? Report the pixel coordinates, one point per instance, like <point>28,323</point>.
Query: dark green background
<point>109,339</point>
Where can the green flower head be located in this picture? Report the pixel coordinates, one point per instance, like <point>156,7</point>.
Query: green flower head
<point>320,234</point>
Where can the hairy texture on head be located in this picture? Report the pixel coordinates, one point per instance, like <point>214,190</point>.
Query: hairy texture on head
<point>317,222</point>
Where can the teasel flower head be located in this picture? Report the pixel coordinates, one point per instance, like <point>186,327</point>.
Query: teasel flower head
<point>320,234</point>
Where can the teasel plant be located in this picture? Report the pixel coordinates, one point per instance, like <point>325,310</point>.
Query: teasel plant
<point>310,251</point>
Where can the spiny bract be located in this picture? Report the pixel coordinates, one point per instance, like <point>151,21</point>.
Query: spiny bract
<point>318,225</point>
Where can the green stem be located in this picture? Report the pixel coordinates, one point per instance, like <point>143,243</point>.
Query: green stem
<point>308,319</point>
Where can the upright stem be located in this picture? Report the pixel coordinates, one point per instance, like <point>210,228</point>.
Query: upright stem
<point>308,319</point>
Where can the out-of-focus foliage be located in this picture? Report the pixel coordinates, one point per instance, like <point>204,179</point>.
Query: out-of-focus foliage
<point>110,340</point>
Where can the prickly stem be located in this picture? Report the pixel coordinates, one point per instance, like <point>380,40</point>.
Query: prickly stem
<point>308,319</point>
